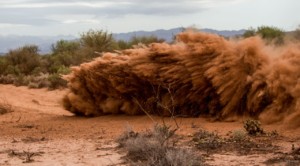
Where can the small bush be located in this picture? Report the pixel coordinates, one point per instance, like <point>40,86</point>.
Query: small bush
<point>56,81</point>
<point>249,33</point>
<point>253,127</point>
<point>153,148</point>
<point>206,140</point>
<point>238,136</point>
<point>5,107</point>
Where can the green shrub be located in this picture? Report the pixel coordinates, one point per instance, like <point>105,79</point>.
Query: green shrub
<point>269,33</point>
<point>56,81</point>
<point>296,34</point>
<point>98,41</point>
<point>3,64</point>
<point>145,40</point>
<point>122,45</point>
<point>62,46</point>
<point>249,33</point>
<point>25,59</point>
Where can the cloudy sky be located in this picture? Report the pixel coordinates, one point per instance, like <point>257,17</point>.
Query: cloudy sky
<point>71,17</point>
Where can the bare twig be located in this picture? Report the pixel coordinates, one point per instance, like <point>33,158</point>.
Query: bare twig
<point>142,108</point>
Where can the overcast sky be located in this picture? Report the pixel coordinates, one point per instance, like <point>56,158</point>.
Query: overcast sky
<point>72,17</point>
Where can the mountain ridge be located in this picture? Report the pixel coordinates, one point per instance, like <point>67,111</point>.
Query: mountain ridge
<point>44,43</point>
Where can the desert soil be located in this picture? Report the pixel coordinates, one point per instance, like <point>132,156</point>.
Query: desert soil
<point>40,132</point>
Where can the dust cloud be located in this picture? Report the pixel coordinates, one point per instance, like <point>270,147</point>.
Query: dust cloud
<point>198,75</point>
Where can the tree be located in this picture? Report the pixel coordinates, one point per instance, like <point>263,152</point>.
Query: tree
<point>249,33</point>
<point>145,40</point>
<point>65,46</point>
<point>98,41</point>
<point>269,33</point>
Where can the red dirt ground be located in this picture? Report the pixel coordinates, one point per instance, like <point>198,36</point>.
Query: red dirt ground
<point>40,126</point>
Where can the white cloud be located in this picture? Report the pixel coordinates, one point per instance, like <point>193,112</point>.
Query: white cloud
<point>6,25</point>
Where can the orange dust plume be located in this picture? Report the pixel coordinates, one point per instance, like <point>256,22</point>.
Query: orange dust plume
<point>200,74</point>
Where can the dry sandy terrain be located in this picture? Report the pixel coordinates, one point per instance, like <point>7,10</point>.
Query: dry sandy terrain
<point>40,129</point>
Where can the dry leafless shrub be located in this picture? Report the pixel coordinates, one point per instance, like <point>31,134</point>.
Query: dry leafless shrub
<point>26,156</point>
<point>154,147</point>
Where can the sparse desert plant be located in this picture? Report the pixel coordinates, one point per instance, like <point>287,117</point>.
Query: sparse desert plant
<point>5,107</point>
<point>26,156</point>
<point>206,140</point>
<point>238,136</point>
<point>148,148</point>
<point>253,127</point>
<point>127,134</point>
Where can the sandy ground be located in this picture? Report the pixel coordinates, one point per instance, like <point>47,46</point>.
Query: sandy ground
<point>40,129</point>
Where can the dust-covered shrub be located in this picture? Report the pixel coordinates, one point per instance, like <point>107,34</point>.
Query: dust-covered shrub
<point>253,127</point>
<point>153,148</point>
<point>206,140</point>
<point>5,107</point>
<point>238,136</point>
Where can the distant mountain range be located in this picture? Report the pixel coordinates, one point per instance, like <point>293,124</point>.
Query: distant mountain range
<point>169,34</point>
<point>44,42</point>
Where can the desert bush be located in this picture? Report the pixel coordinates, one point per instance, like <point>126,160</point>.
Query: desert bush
<point>269,33</point>
<point>122,44</point>
<point>34,81</point>
<point>24,59</point>
<point>296,34</point>
<point>65,53</point>
<point>3,64</point>
<point>135,40</point>
<point>56,81</point>
<point>149,149</point>
<point>98,40</point>
<point>65,46</point>
<point>5,107</point>
<point>7,79</point>
<point>238,136</point>
<point>253,127</point>
<point>249,32</point>
<point>206,140</point>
